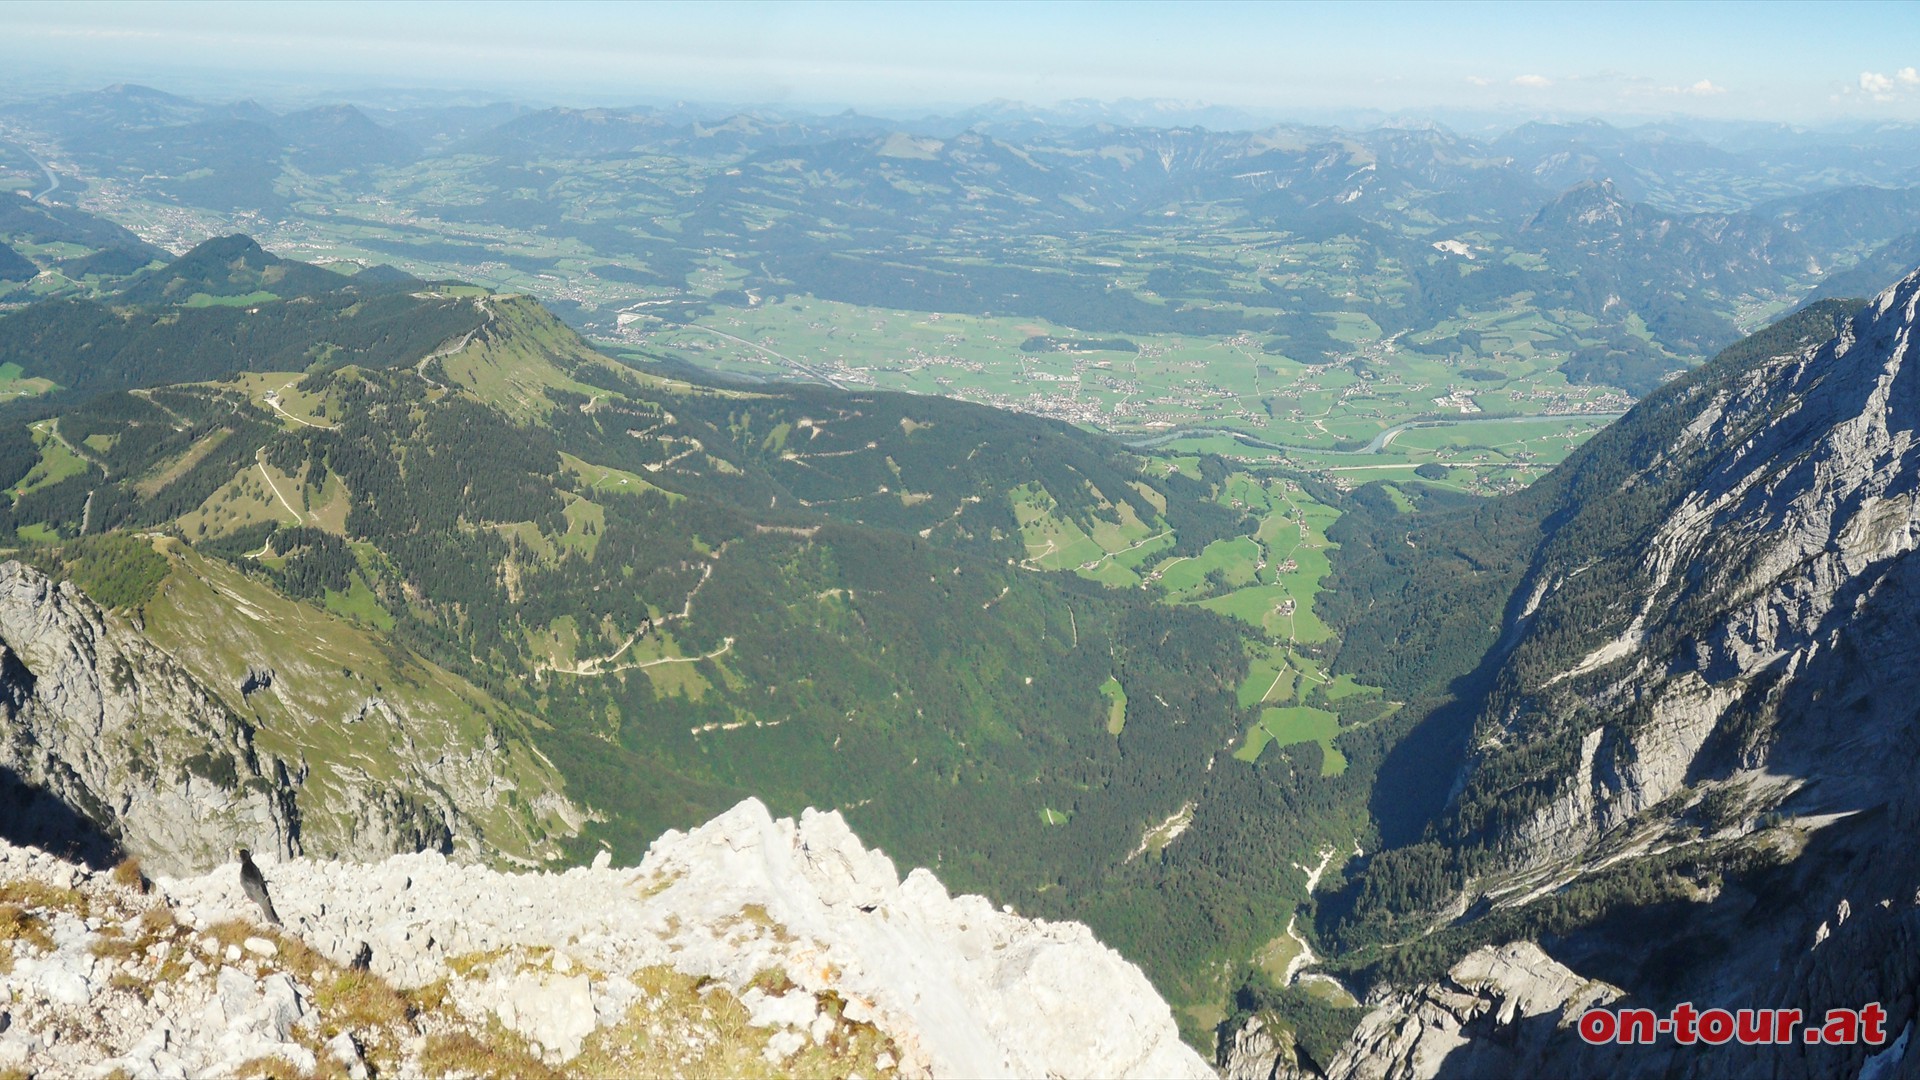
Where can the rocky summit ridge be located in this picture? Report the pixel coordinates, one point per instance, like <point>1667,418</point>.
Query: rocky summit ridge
<point>748,945</point>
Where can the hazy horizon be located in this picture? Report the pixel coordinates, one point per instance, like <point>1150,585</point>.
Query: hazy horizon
<point>1791,63</point>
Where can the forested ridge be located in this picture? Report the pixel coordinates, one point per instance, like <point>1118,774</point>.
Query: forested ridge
<point>817,597</point>
<point>92,346</point>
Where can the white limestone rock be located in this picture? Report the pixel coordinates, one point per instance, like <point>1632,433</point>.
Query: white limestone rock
<point>555,1011</point>
<point>962,988</point>
<point>1514,996</point>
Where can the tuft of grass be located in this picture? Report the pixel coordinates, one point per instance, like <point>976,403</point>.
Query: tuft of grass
<point>436,996</point>
<point>773,982</point>
<point>19,924</point>
<point>356,1000</point>
<point>131,942</point>
<point>691,1027</point>
<point>501,1056</point>
<point>129,875</point>
<point>368,1008</point>
<point>232,932</point>
<point>466,964</point>
<point>157,922</point>
<point>663,981</point>
<point>275,1067</point>
<point>112,945</point>
<point>757,915</point>
<point>656,884</point>
<point>36,894</point>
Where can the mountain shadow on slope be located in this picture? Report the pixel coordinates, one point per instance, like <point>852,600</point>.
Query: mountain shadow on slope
<point>31,816</point>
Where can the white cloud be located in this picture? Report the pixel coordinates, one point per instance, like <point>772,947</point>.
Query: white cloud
<point>1479,80</point>
<point>1703,88</point>
<point>1883,87</point>
<point>1532,82</point>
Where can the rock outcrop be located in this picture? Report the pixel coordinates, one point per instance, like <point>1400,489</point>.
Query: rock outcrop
<point>1502,1011</point>
<point>747,944</point>
<point>1804,506</point>
<point>111,743</point>
<point>1256,1053</point>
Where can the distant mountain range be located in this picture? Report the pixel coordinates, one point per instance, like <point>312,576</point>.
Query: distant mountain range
<point>1646,249</point>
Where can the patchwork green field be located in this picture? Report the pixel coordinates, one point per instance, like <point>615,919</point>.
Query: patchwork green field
<point>1294,724</point>
<point>1321,414</point>
<point>1267,579</point>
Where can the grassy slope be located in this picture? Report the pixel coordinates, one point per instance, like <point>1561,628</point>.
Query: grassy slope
<point>220,623</point>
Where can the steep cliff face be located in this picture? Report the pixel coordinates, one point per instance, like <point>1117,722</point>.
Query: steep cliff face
<point>1709,681</point>
<point>1744,590</point>
<point>110,741</point>
<point>177,754</point>
<point>748,946</point>
<point>392,753</point>
<point>1739,646</point>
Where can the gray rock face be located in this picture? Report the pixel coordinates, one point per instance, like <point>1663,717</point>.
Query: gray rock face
<point>1808,508</point>
<point>111,741</point>
<point>1256,1055</point>
<point>105,723</point>
<point>1747,695</point>
<point>1502,1012</point>
<point>1498,1015</point>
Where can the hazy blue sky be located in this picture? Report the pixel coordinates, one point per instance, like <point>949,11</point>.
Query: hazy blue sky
<point>1790,61</point>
